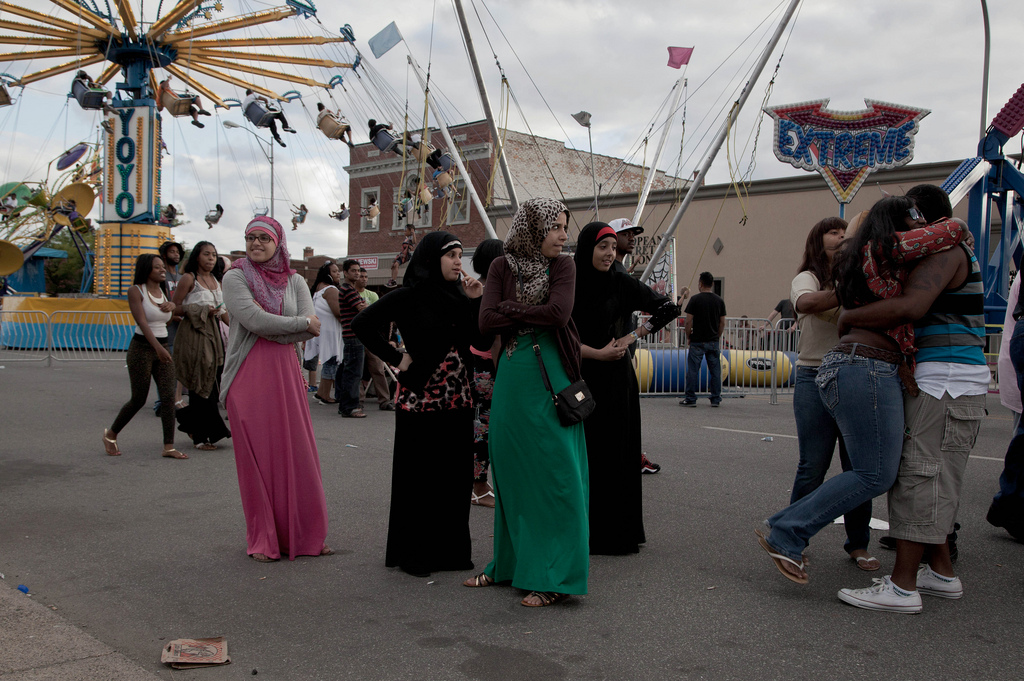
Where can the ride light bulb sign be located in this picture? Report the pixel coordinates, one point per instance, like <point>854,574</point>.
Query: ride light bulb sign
<point>131,179</point>
<point>845,146</point>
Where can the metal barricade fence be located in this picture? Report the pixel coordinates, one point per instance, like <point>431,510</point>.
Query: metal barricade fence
<point>90,335</point>
<point>757,358</point>
<point>24,336</point>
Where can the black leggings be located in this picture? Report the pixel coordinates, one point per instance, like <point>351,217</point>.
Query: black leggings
<point>142,363</point>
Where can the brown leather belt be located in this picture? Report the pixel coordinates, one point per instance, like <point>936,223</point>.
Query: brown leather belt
<point>903,370</point>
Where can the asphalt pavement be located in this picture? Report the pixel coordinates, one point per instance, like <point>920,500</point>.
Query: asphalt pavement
<point>123,554</point>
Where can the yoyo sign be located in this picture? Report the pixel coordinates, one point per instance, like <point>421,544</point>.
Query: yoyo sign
<point>132,164</point>
<point>845,146</point>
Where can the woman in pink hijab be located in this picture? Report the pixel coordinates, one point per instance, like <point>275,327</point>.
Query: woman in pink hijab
<point>275,450</point>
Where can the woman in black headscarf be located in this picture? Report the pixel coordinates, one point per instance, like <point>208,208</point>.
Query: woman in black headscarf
<point>436,312</point>
<point>604,296</point>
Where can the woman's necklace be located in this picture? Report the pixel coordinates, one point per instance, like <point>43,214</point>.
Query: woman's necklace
<point>156,301</point>
<point>208,281</point>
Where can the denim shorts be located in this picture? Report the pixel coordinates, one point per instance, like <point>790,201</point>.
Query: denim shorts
<point>330,369</point>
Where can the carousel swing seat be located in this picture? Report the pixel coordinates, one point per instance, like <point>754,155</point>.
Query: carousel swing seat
<point>421,151</point>
<point>5,96</point>
<point>332,127</point>
<point>447,162</point>
<point>177,104</point>
<point>260,115</point>
<point>88,97</point>
<point>385,141</point>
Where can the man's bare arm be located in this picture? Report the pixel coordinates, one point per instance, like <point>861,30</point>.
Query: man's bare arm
<point>929,279</point>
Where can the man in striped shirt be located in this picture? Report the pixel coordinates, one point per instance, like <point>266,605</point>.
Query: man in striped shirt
<point>346,388</point>
<point>944,298</point>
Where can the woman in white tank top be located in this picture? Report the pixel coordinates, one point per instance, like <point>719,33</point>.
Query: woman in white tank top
<point>147,353</point>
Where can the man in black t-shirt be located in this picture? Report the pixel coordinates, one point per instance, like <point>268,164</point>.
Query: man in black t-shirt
<point>705,321</point>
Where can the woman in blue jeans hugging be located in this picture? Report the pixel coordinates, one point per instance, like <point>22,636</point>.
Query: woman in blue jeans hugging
<point>860,380</point>
<point>814,299</point>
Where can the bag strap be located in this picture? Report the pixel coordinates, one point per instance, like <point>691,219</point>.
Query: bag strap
<point>536,351</point>
<point>544,371</point>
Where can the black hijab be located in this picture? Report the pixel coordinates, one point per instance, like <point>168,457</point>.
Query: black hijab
<point>424,276</point>
<point>598,294</point>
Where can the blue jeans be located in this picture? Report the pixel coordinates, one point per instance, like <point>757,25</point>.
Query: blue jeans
<point>817,433</point>
<point>865,398</point>
<point>346,389</point>
<point>709,352</point>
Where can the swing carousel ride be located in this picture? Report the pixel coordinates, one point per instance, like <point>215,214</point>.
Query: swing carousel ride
<point>187,43</point>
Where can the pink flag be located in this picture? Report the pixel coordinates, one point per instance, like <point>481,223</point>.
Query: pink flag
<point>677,56</point>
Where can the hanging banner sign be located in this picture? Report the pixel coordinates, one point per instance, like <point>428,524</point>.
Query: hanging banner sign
<point>663,278</point>
<point>845,146</point>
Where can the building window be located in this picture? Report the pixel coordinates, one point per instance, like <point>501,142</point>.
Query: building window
<point>420,212</point>
<point>458,209</point>
<point>398,222</point>
<point>369,200</point>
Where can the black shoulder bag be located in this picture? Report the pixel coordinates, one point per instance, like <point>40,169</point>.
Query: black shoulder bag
<point>574,403</point>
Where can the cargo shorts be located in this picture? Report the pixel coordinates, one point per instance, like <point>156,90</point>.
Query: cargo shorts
<point>940,434</point>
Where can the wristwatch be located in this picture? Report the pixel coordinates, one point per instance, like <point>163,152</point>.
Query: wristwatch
<point>647,325</point>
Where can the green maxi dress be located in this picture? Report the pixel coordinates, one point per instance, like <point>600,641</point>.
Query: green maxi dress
<point>539,474</point>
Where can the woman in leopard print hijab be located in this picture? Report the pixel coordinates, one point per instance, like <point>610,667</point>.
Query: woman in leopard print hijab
<point>541,532</point>
<point>530,225</point>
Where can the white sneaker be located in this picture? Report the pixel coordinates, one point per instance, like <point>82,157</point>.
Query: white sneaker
<point>884,595</point>
<point>931,583</point>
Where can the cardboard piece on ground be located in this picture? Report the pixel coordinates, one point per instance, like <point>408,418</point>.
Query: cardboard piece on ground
<point>190,653</point>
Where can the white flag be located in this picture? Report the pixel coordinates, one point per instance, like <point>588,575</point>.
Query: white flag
<point>385,40</point>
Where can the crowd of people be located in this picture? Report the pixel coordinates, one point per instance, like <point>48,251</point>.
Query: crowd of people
<point>477,370</point>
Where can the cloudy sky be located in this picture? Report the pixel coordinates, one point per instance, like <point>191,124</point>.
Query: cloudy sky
<point>608,58</point>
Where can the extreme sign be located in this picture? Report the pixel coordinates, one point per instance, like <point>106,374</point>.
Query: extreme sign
<point>845,146</point>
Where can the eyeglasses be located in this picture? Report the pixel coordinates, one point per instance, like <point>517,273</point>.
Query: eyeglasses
<point>914,214</point>
<point>263,238</point>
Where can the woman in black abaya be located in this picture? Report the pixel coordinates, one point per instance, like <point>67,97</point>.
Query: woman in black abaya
<point>602,297</point>
<point>436,312</point>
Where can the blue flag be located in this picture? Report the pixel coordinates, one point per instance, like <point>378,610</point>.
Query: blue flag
<point>385,40</point>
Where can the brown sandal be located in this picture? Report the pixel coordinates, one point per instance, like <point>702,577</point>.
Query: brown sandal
<point>262,558</point>
<point>546,598</point>
<point>480,580</point>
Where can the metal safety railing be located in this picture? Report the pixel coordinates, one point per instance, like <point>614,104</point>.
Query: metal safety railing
<point>65,335</point>
<point>24,336</point>
<point>757,358</point>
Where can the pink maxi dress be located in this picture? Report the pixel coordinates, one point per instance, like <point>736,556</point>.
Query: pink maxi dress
<point>276,455</point>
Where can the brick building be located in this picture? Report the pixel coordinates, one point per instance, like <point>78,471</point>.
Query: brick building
<point>533,161</point>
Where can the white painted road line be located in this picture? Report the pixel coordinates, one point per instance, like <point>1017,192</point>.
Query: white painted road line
<point>793,437</point>
<point>749,432</point>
